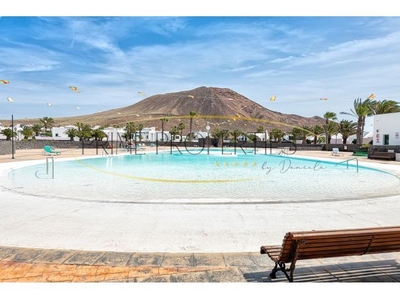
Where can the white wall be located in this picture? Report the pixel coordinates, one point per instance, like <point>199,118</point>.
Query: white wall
<point>59,132</point>
<point>386,124</point>
<point>114,134</point>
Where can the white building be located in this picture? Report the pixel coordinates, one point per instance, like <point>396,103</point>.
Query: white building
<point>148,134</point>
<point>114,134</point>
<point>386,129</point>
<point>17,129</point>
<point>59,133</point>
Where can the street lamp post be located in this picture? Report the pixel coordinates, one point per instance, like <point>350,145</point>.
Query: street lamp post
<point>208,138</point>
<point>12,137</point>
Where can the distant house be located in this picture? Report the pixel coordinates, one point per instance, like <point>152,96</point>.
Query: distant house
<point>112,133</point>
<point>59,133</point>
<point>386,129</point>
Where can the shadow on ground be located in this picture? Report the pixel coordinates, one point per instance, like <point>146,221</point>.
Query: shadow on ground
<point>366,271</point>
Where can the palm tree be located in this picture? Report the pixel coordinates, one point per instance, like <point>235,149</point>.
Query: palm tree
<point>296,132</point>
<point>163,121</point>
<point>219,135</point>
<point>84,131</point>
<point>305,131</point>
<point>71,133</point>
<point>130,129</point>
<point>260,129</point>
<point>140,128</point>
<point>192,114</point>
<point>37,128</point>
<point>9,133</point>
<point>98,134</point>
<point>328,116</point>
<point>235,134</point>
<point>174,131</point>
<point>181,126</point>
<point>277,134</point>
<point>27,132</point>
<point>47,122</point>
<point>385,107</point>
<point>332,130</point>
<point>226,134</point>
<point>362,109</point>
<point>316,131</point>
<point>347,128</point>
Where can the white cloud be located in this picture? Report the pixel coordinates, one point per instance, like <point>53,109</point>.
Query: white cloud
<point>255,57</point>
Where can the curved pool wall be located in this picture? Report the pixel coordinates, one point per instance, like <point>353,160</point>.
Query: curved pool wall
<point>215,178</point>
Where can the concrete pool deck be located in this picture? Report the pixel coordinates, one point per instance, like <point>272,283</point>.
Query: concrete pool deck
<point>54,240</point>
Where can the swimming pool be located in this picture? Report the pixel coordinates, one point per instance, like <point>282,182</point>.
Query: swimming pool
<point>214,178</point>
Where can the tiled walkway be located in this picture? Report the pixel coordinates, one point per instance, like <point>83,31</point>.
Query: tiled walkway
<point>40,265</point>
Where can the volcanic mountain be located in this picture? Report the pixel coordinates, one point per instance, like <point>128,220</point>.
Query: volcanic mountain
<point>220,107</point>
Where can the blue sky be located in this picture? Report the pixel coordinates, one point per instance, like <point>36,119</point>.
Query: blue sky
<point>299,59</point>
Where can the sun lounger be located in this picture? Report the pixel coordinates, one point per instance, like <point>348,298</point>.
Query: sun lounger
<point>140,147</point>
<point>49,150</point>
<point>335,151</point>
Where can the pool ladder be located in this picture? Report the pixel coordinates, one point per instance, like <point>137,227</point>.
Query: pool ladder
<point>347,161</point>
<point>52,166</point>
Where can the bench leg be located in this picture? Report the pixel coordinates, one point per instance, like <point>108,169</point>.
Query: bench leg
<point>280,266</point>
<point>273,272</point>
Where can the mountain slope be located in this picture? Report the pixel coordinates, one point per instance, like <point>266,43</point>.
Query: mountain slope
<point>220,107</point>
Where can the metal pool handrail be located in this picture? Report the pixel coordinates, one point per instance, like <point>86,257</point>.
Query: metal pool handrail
<point>347,161</point>
<point>52,166</point>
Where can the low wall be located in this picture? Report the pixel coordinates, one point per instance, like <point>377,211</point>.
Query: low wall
<point>371,149</point>
<point>6,146</point>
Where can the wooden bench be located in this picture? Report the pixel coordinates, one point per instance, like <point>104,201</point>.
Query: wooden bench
<point>383,155</point>
<point>330,243</point>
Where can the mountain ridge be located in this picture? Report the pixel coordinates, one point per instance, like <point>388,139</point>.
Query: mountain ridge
<point>220,107</point>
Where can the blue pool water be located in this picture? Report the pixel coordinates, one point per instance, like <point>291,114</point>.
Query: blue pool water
<point>210,178</point>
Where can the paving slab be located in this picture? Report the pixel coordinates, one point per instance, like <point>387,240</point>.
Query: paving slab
<point>85,258</point>
<point>240,259</point>
<point>54,256</point>
<point>146,259</point>
<point>178,260</point>
<point>25,255</point>
<point>114,259</point>
<point>6,252</point>
<point>231,274</point>
<point>205,259</point>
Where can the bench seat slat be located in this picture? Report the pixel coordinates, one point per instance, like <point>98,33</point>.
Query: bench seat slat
<point>381,239</point>
<point>384,242</point>
<point>392,248</point>
<point>328,254</point>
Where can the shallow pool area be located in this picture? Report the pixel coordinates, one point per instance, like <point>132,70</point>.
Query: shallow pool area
<point>216,178</point>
